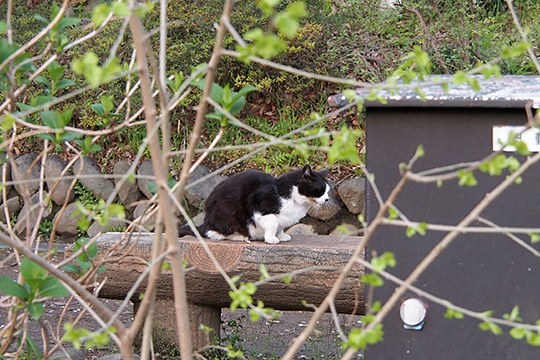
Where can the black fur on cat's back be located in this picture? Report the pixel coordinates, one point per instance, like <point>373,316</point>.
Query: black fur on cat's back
<point>231,205</point>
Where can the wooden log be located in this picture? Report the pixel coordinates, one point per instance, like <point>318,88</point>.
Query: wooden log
<point>326,255</point>
<point>318,258</point>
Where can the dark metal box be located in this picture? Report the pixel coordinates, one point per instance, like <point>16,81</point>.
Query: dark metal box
<point>477,271</point>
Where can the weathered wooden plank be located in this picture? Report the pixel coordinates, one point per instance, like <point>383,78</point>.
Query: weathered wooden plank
<point>206,287</point>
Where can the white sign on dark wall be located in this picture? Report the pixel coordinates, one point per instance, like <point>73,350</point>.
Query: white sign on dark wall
<point>530,136</point>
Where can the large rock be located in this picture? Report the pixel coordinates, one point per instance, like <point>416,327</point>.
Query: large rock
<point>114,224</point>
<point>128,191</point>
<point>13,205</point>
<point>116,357</point>
<point>325,227</point>
<point>92,178</point>
<point>328,209</point>
<point>145,170</point>
<point>197,194</point>
<point>346,230</point>
<point>54,166</point>
<point>66,221</point>
<point>27,173</point>
<point>69,354</point>
<point>31,212</point>
<point>301,229</point>
<point>352,193</point>
<point>148,221</point>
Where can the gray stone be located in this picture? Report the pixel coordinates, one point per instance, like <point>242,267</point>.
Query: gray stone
<point>92,178</point>
<point>327,226</point>
<point>301,229</point>
<point>31,212</point>
<point>128,191</point>
<point>198,219</point>
<point>54,166</point>
<point>66,221</point>
<point>328,209</point>
<point>70,354</point>
<point>352,193</point>
<point>345,230</point>
<point>114,224</point>
<point>197,194</point>
<point>145,169</point>
<point>148,222</point>
<point>116,357</point>
<point>13,205</point>
<point>27,170</point>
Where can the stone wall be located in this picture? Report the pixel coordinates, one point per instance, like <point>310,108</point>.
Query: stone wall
<point>58,204</point>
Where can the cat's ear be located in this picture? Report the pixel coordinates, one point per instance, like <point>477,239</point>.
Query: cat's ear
<point>307,172</point>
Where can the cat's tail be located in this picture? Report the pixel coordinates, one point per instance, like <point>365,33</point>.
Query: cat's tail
<point>185,230</point>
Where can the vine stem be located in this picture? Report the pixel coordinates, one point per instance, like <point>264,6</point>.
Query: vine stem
<point>168,218</point>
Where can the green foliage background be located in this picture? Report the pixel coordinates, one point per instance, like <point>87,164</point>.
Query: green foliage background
<point>354,38</point>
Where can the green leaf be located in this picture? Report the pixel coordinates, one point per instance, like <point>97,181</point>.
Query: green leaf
<point>98,109</point>
<point>513,315</point>
<point>52,288</point>
<point>36,310</point>
<point>420,152</point>
<point>55,71</point>
<point>32,273</point>
<point>491,327</point>
<point>372,279</point>
<point>43,80</point>
<point>267,6</point>
<point>108,103</point>
<point>264,272</point>
<point>516,50</point>
<point>32,349</point>
<point>263,45</point>
<point>3,27</point>
<point>287,22</point>
<point>243,92</point>
<point>360,338</point>
<point>70,136</point>
<point>62,84</point>
<point>70,268</point>
<point>237,106</point>
<point>121,9</point>
<point>533,339</point>
<point>100,13</point>
<point>466,178</point>
<point>10,287</point>
<point>7,122</point>
<point>453,314</point>
<point>518,333</point>
<point>459,78</point>
<point>344,146</point>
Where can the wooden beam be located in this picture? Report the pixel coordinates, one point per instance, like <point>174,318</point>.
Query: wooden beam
<point>325,254</point>
<point>318,258</point>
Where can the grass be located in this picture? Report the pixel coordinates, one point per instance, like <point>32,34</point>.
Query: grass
<point>353,38</point>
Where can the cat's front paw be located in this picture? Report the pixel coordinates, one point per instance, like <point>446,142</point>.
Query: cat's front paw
<point>284,237</point>
<point>271,240</point>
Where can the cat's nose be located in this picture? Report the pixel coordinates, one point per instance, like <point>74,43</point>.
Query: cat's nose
<point>326,200</point>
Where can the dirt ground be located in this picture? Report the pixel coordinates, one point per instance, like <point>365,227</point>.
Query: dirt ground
<point>260,340</point>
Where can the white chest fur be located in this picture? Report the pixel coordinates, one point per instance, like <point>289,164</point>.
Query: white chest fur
<point>293,209</point>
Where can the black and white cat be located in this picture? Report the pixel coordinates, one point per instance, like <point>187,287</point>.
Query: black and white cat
<point>253,205</point>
